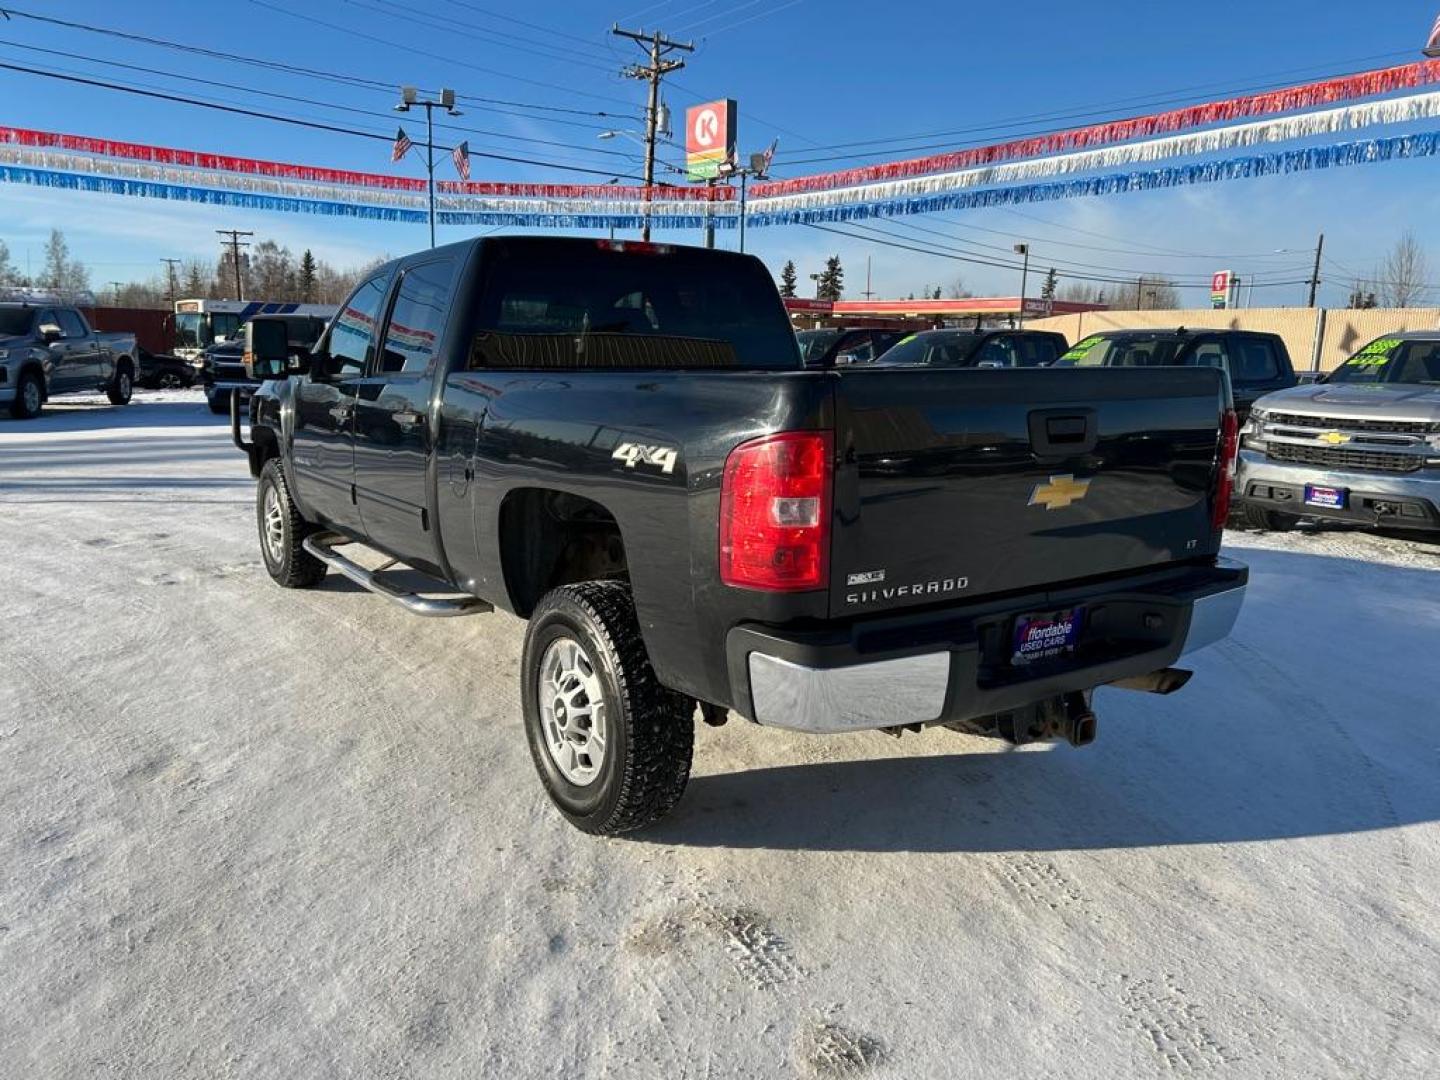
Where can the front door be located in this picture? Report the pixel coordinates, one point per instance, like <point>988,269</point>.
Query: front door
<point>393,423</point>
<point>323,453</point>
<point>65,356</point>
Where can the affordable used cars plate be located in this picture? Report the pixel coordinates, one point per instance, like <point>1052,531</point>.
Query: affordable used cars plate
<point>1331,497</point>
<point>1044,636</point>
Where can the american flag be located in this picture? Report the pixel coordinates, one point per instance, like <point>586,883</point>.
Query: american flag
<point>1432,47</point>
<point>402,145</point>
<point>461,156</point>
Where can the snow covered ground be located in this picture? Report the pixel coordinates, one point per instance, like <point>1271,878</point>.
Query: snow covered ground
<point>252,833</point>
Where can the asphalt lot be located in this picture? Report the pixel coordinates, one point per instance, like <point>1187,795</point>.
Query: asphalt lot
<point>257,833</point>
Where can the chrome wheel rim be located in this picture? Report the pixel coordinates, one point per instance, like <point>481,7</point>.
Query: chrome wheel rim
<point>125,387</point>
<point>32,396</point>
<point>169,381</point>
<point>274,526</point>
<point>572,711</point>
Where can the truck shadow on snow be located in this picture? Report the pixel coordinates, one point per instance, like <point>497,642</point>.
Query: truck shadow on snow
<point>95,414</point>
<point>1304,724</point>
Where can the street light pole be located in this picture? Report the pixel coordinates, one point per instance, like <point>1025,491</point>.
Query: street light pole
<point>409,98</point>
<point>1023,249</point>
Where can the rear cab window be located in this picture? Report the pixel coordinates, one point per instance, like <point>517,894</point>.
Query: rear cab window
<point>619,306</point>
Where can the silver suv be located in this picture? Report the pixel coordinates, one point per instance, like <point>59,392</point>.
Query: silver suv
<point>1360,445</point>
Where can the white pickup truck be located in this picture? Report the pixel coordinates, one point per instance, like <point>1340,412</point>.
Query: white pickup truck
<point>49,349</point>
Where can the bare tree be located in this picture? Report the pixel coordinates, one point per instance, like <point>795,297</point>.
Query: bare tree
<point>1402,274</point>
<point>67,278</point>
<point>1149,292</point>
<point>1081,292</point>
<point>957,290</point>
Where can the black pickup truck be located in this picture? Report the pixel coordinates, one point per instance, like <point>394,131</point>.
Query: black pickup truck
<point>619,443</point>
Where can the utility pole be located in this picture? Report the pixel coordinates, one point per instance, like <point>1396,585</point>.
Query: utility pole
<point>170,265</point>
<point>410,98</point>
<point>868,293</point>
<point>1315,277</point>
<point>115,290</point>
<point>235,245</point>
<point>658,46</point>
<point>1023,249</point>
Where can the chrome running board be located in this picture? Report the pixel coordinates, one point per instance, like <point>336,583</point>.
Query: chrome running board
<point>323,544</point>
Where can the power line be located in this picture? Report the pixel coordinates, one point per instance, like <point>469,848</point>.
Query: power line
<point>313,124</point>
<point>279,66</point>
<point>428,55</point>
<point>725,29</point>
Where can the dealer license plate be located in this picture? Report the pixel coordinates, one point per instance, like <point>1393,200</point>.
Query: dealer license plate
<point>1332,498</point>
<point>1045,636</point>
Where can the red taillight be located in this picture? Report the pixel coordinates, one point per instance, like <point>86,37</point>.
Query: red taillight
<point>635,247</point>
<point>1225,481</point>
<point>775,513</point>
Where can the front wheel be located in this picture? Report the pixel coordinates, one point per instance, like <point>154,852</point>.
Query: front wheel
<point>29,396</point>
<point>219,403</point>
<point>1266,520</point>
<point>612,745</point>
<point>120,390</point>
<point>283,532</point>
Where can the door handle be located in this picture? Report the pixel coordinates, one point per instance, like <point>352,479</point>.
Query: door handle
<point>407,418</point>
<point>340,413</point>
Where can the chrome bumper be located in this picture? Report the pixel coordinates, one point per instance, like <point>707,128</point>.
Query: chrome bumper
<point>917,689</point>
<point>1253,466</point>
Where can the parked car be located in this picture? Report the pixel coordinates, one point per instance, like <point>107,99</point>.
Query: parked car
<point>223,369</point>
<point>1361,445</point>
<point>1256,363</point>
<point>839,345</point>
<point>978,348</point>
<point>618,442</point>
<point>49,349</point>
<point>162,371</point>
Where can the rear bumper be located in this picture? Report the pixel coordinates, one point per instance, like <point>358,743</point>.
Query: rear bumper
<point>954,665</point>
<point>1408,500</point>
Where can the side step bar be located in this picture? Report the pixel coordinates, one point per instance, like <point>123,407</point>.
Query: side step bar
<point>323,544</point>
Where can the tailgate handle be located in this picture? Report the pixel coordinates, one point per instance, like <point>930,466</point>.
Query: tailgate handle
<point>1063,432</point>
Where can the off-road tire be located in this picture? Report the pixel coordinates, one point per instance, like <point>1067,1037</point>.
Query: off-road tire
<point>650,729</point>
<point>292,567</point>
<point>1267,520</point>
<point>218,404</point>
<point>18,408</point>
<point>120,391</point>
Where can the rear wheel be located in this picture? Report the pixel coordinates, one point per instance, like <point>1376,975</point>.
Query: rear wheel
<point>283,532</point>
<point>29,396</point>
<point>120,390</point>
<point>219,403</point>
<point>612,745</point>
<point>1266,520</point>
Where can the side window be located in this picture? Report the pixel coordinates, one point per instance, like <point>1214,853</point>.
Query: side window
<point>1252,360</point>
<point>1208,353</point>
<point>70,324</point>
<point>418,318</point>
<point>862,348</point>
<point>354,329</point>
<point>47,318</point>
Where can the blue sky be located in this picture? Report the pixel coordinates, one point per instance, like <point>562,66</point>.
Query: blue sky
<point>812,73</point>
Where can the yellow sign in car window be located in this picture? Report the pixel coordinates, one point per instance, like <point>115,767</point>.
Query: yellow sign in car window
<point>1081,349</point>
<point>1376,354</point>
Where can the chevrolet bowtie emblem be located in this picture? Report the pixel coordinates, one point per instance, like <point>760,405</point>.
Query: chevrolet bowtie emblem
<point>1059,492</point>
<point>1335,438</point>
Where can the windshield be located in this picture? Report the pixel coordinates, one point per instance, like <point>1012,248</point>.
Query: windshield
<point>15,321</point>
<point>939,347</point>
<point>1128,350</point>
<point>224,324</point>
<point>188,327</point>
<point>814,344</point>
<point>1392,360</point>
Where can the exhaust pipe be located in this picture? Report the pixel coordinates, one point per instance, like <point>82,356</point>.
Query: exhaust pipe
<point>1165,681</point>
<point>1081,724</point>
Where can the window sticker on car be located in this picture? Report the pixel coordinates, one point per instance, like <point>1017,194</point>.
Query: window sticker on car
<point>1081,349</point>
<point>1376,354</point>
<point>904,340</point>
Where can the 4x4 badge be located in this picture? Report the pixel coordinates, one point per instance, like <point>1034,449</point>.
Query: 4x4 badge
<point>632,454</point>
<point>1059,492</point>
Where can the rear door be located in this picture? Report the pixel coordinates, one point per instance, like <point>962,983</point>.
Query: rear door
<point>323,454</point>
<point>960,483</point>
<point>86,354</point>
<point>393,435</point>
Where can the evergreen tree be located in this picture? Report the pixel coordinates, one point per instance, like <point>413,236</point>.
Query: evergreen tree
<point>935,294</point>
<point>1052,283</point>
<point>196,275</point>
<point>787,279</point>
<point>832,279</point>
<point>307,278</point>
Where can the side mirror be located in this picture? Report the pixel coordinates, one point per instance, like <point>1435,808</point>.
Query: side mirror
<point>267,350</point>
<point>990,364</point>
<point>50,332</point>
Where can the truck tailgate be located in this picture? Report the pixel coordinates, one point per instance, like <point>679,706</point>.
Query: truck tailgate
<point>954,484</point>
